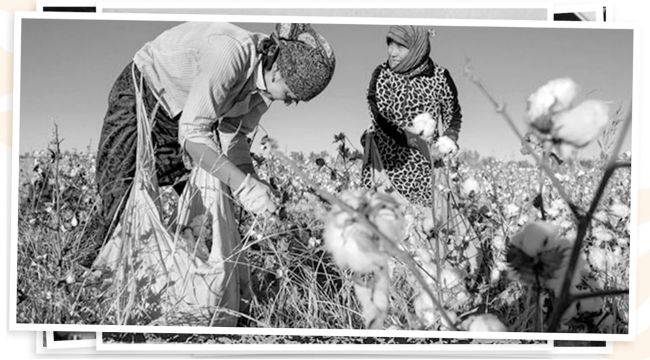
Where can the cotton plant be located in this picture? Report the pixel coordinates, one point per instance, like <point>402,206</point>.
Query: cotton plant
<point>553,112</point>
<point>538,253</point>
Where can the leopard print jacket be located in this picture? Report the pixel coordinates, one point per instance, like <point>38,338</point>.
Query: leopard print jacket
<point>394,100</point>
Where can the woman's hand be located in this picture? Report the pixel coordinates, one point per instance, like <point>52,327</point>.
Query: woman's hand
<point>256,197</point>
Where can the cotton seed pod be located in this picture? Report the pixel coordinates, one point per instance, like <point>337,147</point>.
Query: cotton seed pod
<point>470,187</point>
<point>536,237</point>
<point>619,210</point>
<point>386,214</point>
<point>424,309</point>
<point>582,124</point>
<point>510,211</point>
<point>452,277</point>
<point>446,145</point>
<point>70,279</point>
<point>555,96</point>
<point>486,322</point>
<point>602,235</point>
<point>602,259</point>
<point>351,243</point>
<point>424,125</point>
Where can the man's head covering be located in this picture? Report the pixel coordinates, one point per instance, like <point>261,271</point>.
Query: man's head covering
<point>416,39</point>
<point>305,59</point>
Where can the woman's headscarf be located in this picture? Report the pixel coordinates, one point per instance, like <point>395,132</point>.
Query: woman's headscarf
<point>305,59</point>
<point>416,39</point>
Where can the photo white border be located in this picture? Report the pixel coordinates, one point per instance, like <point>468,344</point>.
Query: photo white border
<point>14,326</point>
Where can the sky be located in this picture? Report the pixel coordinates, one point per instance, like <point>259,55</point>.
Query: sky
<point>68,67</point>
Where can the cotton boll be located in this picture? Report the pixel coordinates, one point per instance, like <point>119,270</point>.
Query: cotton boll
<point>602,235</point>
<point>536,237</point>
<point>555,96</point>
<point>70,279</point>
<point>446,145</point>
<point>452,277</point>
<point>619,210</point>
<point>452,317</point>
<point>374,300</point>
<point>486,322</point>
<point>602,259</point>
<point>424,309</point>
<point>601,216</point>
<point>424,125</point>
<point>499,243</point>
<point>582,124</point>
<point>510,211</point>
<point>351,245</point>
<point>495,276</point>
<point>469,187</point>
<point>388,217</point>
<point>556,208</point>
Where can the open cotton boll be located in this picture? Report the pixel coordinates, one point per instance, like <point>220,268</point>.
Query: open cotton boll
<point>428,314</point>
<point>469,187</point>
<point>374,300</point>
<point>537,237</point>
<point>582,124</point>
<point>486,322</point>
<point>424,125</point>
<point>351,244</point>
<point>424,309</point>
<point>387,215</point>
<point>510,211</point>
<point>555,96</point>
<point>452,277</point>
<point>602,235</point>
<point>446,145</point>
<point>602,259</point>
<point>619,209</point>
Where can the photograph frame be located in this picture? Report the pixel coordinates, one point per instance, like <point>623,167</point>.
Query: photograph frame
<point>327,332</point>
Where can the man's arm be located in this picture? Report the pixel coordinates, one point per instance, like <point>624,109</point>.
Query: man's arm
<point>220,72</point>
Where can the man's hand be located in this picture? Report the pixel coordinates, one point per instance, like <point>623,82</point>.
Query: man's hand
<point>256,196</point>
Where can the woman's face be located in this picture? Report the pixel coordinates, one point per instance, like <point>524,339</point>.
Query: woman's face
<point>396,53</point>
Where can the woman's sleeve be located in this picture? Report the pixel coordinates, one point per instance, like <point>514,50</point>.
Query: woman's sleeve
<point>451,113</point>
<point>219,72</point>
<point>379,120</point>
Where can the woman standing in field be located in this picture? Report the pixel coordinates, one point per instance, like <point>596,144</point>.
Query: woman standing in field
<point>206,85</point>
<point>404,91</point>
